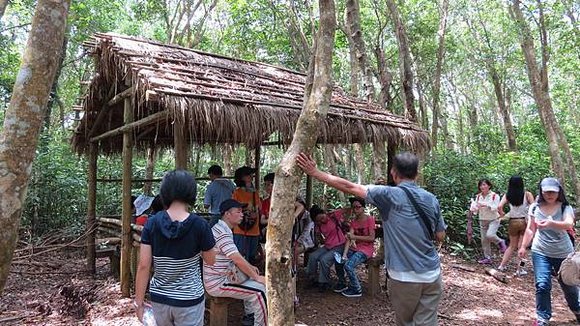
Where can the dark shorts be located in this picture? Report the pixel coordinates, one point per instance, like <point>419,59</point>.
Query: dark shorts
<point>516,227</point>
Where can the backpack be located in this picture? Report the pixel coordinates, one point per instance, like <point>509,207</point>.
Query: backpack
<point>570,270</point>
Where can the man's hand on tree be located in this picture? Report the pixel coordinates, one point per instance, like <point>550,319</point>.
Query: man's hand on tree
<point>306,163</point>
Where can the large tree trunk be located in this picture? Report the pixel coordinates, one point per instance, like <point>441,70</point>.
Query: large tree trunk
<point>422,107</point>
<point>385,79</point>
<point>3,5</point>
<point>540,89</point>
<point>24,117</point>
<point>316,103</point>
<point>355,37</point>
<point>503,109</point>
<point>405,62</point>
<point>437,77</point>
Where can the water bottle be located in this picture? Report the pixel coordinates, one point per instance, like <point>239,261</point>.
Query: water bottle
<point>148,317</point>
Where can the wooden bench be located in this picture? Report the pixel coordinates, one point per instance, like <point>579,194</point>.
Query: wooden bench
<point>217,308</point>
<point>114,258</point>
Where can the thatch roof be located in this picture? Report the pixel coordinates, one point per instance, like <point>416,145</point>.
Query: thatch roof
<point>221,100</point>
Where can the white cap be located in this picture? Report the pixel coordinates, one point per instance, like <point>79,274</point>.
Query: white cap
<point>142,203</point>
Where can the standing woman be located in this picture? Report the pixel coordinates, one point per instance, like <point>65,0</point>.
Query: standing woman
<point>247,233</point>
<point>485,205</point>
<point>551,216</point>
<point>519,201</point>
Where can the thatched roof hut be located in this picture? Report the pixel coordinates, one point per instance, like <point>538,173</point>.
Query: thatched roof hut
<point>218,100</point>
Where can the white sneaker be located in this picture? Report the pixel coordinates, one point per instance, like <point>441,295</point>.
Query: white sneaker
<point>501,268</point>
<point>521,272</point>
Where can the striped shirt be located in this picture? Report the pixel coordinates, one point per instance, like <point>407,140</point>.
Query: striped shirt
<point>176,248</point>
<point>216,275</point>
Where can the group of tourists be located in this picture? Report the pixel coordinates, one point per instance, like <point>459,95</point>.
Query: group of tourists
<point>545,221</point>
<point>176,242</point>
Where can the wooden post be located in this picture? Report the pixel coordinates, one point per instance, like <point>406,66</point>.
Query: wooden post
<point>391,151</point>
<point>179,143</point>
<point>127,241</point>
<point>91,207</point>
<point>151,155</point>
<point>257,167</point>
<point>308,191</point>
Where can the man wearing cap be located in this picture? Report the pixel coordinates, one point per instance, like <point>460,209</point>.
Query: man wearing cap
<point>411,221</point>
<point>247,233</point>
<point>218,190</point>
<point>231,275</point>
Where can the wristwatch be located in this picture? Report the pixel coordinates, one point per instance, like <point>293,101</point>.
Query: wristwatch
<point>136,305</point>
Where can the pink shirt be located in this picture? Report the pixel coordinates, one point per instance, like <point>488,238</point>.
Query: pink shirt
<point>331,232</point>
<point>363,228</point>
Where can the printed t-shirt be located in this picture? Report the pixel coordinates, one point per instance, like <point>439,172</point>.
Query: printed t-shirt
<point>245,197</point>
<point>332,234</point>
<point>363,228</point>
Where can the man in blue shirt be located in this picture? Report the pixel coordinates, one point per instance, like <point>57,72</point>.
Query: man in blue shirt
<point>219,190</point>
<point>411,259</point>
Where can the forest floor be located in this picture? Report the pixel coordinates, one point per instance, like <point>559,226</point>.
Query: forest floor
<point>54,290</point>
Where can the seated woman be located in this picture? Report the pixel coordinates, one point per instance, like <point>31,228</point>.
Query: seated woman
<point>156,206</point>
<point>328,226</point>
<point>362,236</point>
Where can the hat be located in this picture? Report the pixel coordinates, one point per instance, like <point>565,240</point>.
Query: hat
<point>550,184</point>
<point>142,203</point>
<point>244,171</point>
<point>228,204</point>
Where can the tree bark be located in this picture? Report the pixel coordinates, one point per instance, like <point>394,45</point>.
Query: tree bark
<point>3,5</point>
<point>405,62</point>
<point>24,117</point>
<point>540,89</point>
<point>316,103</point>
<point>385,79</point>
<point>149,169</point>
<point>353,28</point>
<point>438,66</point>
<point>503,109</point>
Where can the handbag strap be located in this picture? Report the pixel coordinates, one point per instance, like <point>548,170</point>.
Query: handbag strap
<point>426,224</point>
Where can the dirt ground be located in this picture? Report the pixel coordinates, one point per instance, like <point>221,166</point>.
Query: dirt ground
<point>53,290</point>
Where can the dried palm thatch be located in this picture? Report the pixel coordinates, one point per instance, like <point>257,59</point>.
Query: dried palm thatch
<point>220,100</point>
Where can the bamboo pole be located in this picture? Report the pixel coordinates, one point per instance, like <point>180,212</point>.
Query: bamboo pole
<point>127,240</point>
<point>257,167</point>
<point>155,117</point>
<point>391,152</point>
<point>91,207</point>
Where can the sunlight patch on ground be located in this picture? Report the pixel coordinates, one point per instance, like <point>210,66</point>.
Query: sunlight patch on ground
<point>479,313</point>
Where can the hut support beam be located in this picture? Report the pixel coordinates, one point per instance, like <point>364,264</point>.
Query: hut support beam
<point>91,207</point>
<point>257,155</point>
<point>154,118</point>
<point>391,151</point>
<point>127,241</point>
<point>105,108</point>
<point>179,144</point>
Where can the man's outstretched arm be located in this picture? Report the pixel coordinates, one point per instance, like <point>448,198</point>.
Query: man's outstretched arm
<point>308,165</point>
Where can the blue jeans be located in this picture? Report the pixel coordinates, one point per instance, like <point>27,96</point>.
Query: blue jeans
<point>543,267</point>
<point>247,246</point>
<point>355,258</point>
<point>325,257</point>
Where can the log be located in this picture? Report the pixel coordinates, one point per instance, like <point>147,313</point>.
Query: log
<point>109,241</point>
<point>154,118</point>
<point>110,221</point>
<point>463,267</point>
<point>496,274</point>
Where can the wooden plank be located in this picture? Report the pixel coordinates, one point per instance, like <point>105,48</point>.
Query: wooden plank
<point>125,273</point>
<point>155,117</point>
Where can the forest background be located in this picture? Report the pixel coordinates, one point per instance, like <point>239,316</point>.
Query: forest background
<point>462,69</point>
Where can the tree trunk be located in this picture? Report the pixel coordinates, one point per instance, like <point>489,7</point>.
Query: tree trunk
<point>437,77</point>
<point>379,156</point>
<point>404,61</point>
<point>385,79</point>
<point>316,103</point>
<point>503,110</point>
<point>540,89</point>
<point>422,109</point>
<point>149,169</point>
<point>24,117</point>
<point>54,89</point>
<point>330,160</point>
<point>353,28</point>
<point>3,5</point>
